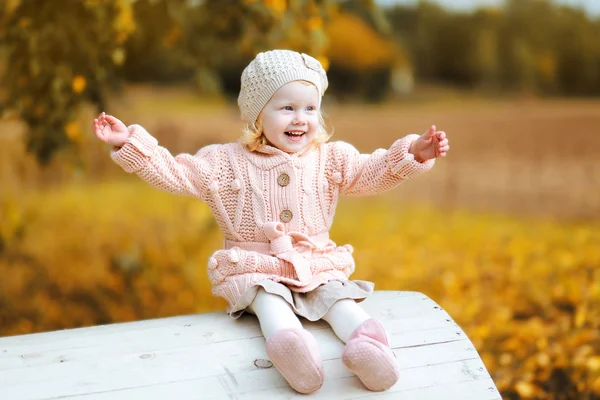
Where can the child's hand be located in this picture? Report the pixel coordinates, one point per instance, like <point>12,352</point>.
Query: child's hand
<point>110,130</point>
<point>431,144</point>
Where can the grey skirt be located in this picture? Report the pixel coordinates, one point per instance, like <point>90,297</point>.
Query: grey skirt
<point>311,305</point>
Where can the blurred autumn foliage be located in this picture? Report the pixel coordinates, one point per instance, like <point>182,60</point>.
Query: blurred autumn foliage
<point>92,249</point>
<point>57,56</point>
<point>527,294</point>
<point>64,54</point>
<point>532,46</point>
<point>79,248</point>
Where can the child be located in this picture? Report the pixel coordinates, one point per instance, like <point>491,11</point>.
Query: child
<point>274,194</point>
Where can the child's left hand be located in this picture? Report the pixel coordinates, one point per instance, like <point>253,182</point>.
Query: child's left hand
<point>431,144</point>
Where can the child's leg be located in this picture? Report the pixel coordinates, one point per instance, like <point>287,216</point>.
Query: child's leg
<point>344,317</point>
<point>367,352</point>
<point>274,313</point>
<point>292,349</point>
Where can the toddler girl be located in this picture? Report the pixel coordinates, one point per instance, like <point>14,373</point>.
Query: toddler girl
<point>274,194</point>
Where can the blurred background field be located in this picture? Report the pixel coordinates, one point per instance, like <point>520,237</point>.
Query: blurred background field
<point>504,233</point>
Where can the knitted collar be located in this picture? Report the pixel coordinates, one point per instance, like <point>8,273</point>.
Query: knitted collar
<point>268,156</point>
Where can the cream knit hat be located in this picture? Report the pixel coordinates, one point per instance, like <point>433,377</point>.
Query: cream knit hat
<point>271,70</point>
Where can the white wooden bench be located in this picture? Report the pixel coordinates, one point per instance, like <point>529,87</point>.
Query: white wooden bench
<point>210,356</point>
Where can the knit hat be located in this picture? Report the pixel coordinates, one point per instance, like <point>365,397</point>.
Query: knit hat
<point>271,70</point>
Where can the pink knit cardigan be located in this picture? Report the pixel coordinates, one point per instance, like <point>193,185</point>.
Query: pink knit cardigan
<point>274,209</point>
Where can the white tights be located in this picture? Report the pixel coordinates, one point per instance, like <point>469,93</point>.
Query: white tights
<point>274,313</point>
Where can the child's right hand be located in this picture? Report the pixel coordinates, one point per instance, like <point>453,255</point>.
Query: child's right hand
<point>110,130</point>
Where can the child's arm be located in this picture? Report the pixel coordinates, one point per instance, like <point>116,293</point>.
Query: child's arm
<point>135,150</point>
<point>364,174</point>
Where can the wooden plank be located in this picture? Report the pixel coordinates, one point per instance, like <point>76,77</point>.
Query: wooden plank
<point>263,384</point>
<point>167,366</point>
<point>212,356</point>
<point>209,324</point>
<point>68,358</point>
<point>128,338</point>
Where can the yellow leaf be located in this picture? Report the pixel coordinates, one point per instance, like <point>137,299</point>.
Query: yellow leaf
<point>278,6</point>
<point>72,130</point>
<point>315,23</point>
<point>78,84</point>
<point>118,56</point>
<point>580,316</point>
<point>481,331</point>
<point>525,389</point>
<point>542,343</point>
<point>124,22</point>
<point>505,358</point>
<point>543,359</point>
<point>594,363</point>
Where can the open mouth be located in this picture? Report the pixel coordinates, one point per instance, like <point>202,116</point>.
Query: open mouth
<point>295,135</point>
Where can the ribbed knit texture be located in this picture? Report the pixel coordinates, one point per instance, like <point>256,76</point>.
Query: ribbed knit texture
<point>241,189</point>
<point>271,70</point>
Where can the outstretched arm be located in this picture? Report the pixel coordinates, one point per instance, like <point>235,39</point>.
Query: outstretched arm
<point>136,151</point>
<point>365,174</point>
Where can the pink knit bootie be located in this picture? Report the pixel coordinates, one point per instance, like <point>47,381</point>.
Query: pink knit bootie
<point>369,356</point>
<point>295,354</point>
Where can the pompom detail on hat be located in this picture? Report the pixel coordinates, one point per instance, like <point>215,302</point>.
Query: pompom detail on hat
<point>315,65</point>
<point>312,62</point>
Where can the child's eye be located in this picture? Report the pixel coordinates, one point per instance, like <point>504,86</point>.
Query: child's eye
<point>288,108</point>
<point>310,108</point>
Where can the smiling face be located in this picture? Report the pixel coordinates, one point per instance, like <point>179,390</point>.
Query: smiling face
<point>290,120</point>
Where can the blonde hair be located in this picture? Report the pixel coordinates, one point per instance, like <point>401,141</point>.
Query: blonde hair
<point>253,137</point>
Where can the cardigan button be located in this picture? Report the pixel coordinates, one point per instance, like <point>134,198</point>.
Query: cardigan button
<point>283,179</point>
<point>286,216</point>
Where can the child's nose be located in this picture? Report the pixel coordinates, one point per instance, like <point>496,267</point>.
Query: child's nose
<point>299,118</point>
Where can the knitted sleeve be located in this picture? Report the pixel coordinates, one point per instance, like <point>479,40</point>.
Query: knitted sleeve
<point>184,174</point>
<point>364,174</point>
